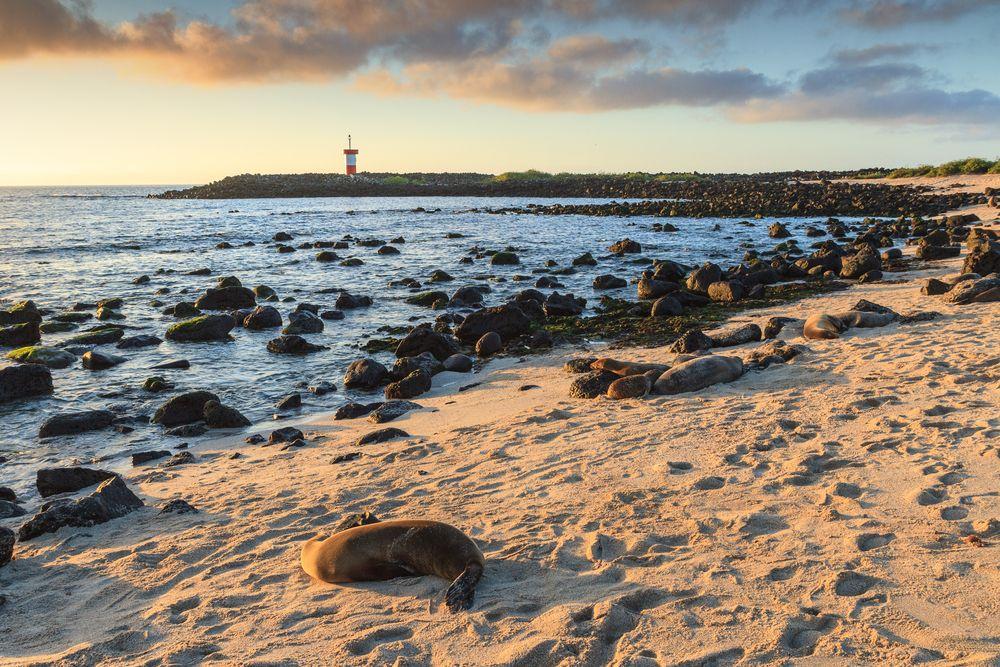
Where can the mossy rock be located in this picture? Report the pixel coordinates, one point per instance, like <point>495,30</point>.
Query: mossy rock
<point>427,299</point>
<point>204,328</point>
<point>504,258</point>
<point>46,356</point>
<point>101,336</point>
<point>56,327</point>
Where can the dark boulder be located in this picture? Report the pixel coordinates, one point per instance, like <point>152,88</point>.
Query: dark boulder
<point>488,344</point>
<point>292,345</point>
<point>142,340</point>
<point>458,363</point>
<point>466,296</point>
<point>186,408</point>
<point>424,339</point>
<point>217,415</point>
<point>262,317</point>
<point>289,401</point>
<point>23,312</point>
<point>7,540</point>
<point>625,246</point>
<point>355,410</point>
<point>381,435</point>
<point>509,321</point>
<point>778,231</point>
<point>983,258</point>
<point>691,341</point>
<point>139,458</point>
<point>745,334</point>
<point>725,291</point>
<point>201,329</point>
<point>666,306</point>
<point>425,361</point>
<point>706,274</point>
<point>365,374</point>
<point>560,305</point>
<point>391,410</point>
<point>416,383</point>
<point>592,384</point>
<point>52,481</point>
<point>934,252</point>
<point>20,335</point>
<point>70,423</point>
<point>226,298</point>
<point>860,263</point>
<point>286,434</point>
<point>303,322</point>
<point>504,259</point>
<point>111,500</point>
<point>23,381</point>
<point>98,361</point>
<point>347,301</point>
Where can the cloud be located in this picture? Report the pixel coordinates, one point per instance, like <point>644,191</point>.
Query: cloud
<point>33,26</point>
<point>882,14</point>
<point>877,52</point>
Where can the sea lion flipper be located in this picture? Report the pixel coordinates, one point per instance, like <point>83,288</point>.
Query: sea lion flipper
<point>462,592</point>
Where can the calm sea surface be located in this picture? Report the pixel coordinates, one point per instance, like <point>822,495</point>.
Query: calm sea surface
<point>60,246</point>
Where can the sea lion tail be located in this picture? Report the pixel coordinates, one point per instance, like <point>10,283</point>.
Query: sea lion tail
<point>462,592</point>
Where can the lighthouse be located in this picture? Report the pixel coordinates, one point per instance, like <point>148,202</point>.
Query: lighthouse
<point>352,158</point>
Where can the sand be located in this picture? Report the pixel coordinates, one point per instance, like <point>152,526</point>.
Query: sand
<point>817,512</point>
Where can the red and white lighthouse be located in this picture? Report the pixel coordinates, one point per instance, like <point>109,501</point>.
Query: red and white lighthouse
<point>352,158</point>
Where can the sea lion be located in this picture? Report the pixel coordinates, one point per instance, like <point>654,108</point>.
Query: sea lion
<point>864,319</point>
<point>633,386</point>
<point>625,368</point>
<point>823,326</point>
<point>699,373</point>
<point>404,548</point>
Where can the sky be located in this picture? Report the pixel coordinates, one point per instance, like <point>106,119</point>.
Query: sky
<point>190,91</point>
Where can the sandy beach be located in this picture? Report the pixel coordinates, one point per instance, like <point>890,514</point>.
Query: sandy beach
<point>838,509</point>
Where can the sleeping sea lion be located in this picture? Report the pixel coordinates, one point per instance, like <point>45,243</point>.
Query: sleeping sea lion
<point>633,386</point>
<point>625,368</point>
<point>699,373</point>
<point>823,325</point>
<point>864,319</point>
<point>390,549</point>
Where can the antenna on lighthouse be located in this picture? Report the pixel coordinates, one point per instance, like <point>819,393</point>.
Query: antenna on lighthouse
<point>351,158</point>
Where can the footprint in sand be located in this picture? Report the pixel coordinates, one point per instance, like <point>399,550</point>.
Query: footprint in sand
<point>869,541</point>
<point>710,483</point>
<point>679,467</point>
<point>800,635</point>
<point>367,642</point>
<point>851,584</point>
<point>931,496</point>
<point>954,513</point>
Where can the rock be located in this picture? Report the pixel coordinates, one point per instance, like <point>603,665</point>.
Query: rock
<point>983,258</point>
<point>9,510</point>
<point>178,506</point>
<point>135,342</point>
<point>933,287</point>
<point>699,279</point>
<point>100,336</point>
<point>725,291</point>
<point>666,306</point>
<point>187,431</point>
<point>322,388</point>
<point>282,236</point>
<point>327,256</point>
<point>186,408</point>
<point>609,282</point>
<point>179,459</point>
<point>23,312</point>
<point>546,282</point>
<point>691,341</point>
<point>747,333</point>
<point>561,305</point>
<point>331,315</point>
<point>348,301</point>
<point>778,231</point>
<point>424,339</point>
<point>7,493</point>
<point>933,252</point>
<point>365,374</point>
<point>263,317</point>
<point>7,540</point>
<point>776,351</point>
<point>509,321</point>
<point>303,322</point>
<point>870,277</point>
<point>218,415</point>
<point>424,361</point>
<point>391,410</point>
<point>860,263</point>
<point>18,382</point>
<point>466,296</point>
<point>286,434</point>
<point>775,325</point>
<point>50,357</point>
<point>592,384</point>
<point>265,293</point>
<point>625,246</point>
<point>458,363</point>
<point>439,276</point>
<point>381,435</point>
<point>489,344</point>
<point>581,365</point>
<point>631,386</point>
<point>699,373</point>
<point>292,345</point>
<point>426,299</point>
<point>416,383</point>
<point>649,288</point>
<point>289,402</point>
<point>98,361</point>
<point>586,259</point>
<point>52,481</point>
<point>203,328</point>
<point>176,364</point>
<point>20,335</point>
<point>139,458</point>
<point>982,290</point>
<point>184,309</point>
<point>226,298</point>
<point>388,250</point>
<point>355,410</point>
<point>104,314</point>
<point>504,259</point>
<point>71,423</point>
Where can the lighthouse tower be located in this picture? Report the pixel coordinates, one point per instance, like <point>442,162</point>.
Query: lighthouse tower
<point>352,158</point>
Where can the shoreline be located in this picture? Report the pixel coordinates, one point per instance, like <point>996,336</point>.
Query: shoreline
<point>594,554</point>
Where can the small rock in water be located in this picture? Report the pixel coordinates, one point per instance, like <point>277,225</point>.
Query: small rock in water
<point>187,431</point>
<point>70,423</point>
<point>218,415</point>
<point>138,458</point>
<point>142,340</point>
<point>323,388</point>
<point>289,402</point>
<point>176,364</point>
<point>98,361</point>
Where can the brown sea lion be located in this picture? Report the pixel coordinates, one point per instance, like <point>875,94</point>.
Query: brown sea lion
<point>625,368</point>
<point>633,386</point>
<point>404,548</point>
<point>864,319</point>
<point>699,373</point>
<point>823,326</point>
